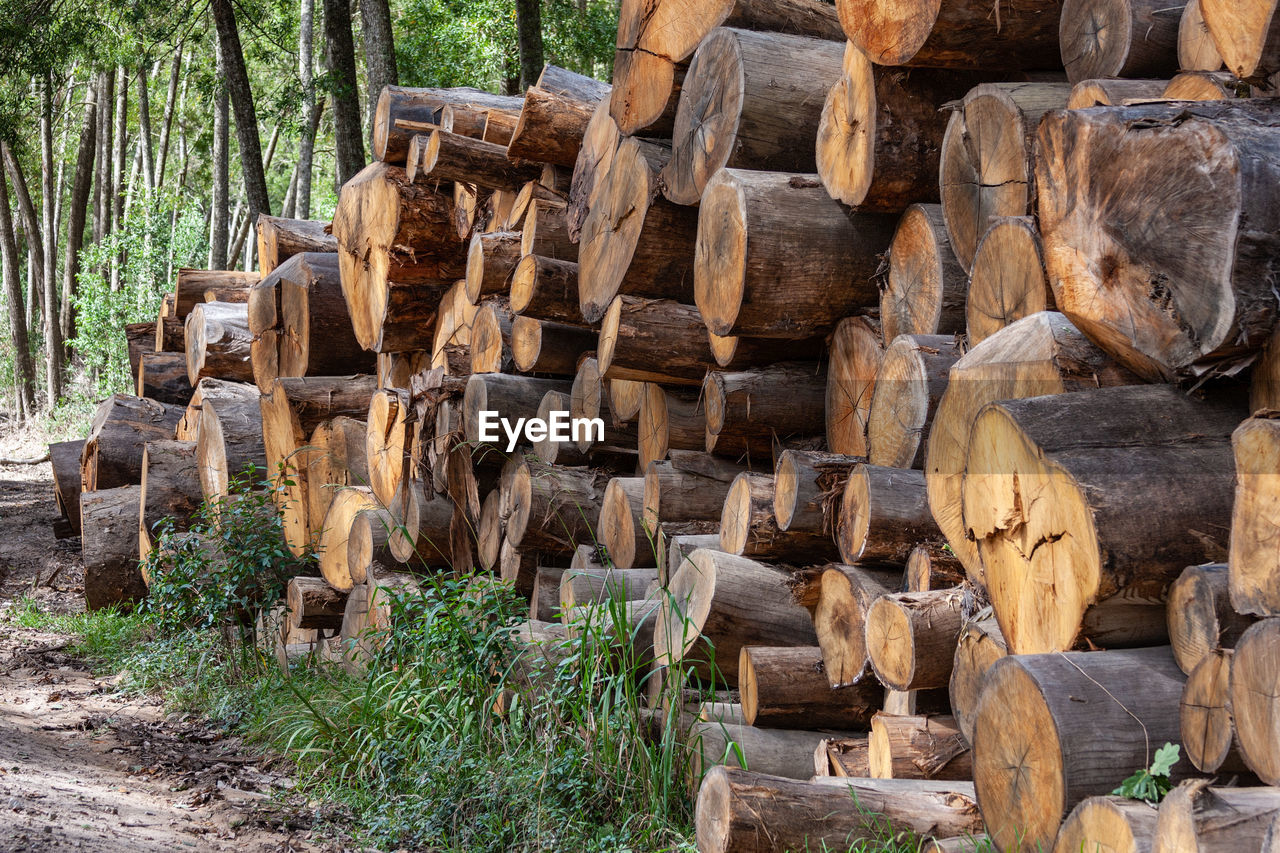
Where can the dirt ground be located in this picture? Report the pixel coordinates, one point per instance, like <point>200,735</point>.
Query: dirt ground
<point>83,767</point>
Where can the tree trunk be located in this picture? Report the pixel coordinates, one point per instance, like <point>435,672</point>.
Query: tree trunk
<point>675,495</point>
<point>918,747</point>
<point>24,369</point>
<point>237,79</point>
<point>1008,279</point>
<point>109,540</point>
<point>220,192</point>
<point>310,112</point>
<point>120,142</point>
<point>980,645</point>
<point>102,166</point>
<point>1200,615</point>
<point>631,539</point>
<point>316,336</point>
<point>49,279</point>
<point>787,688</point>
<point>910,382</point>
<point>748,412</point>
<point>883,516</point>
<point>144,131</point>
<point>312,603</point>
<point>1099,523</point>
<point>79,206</point>
<point>580,587</point>
<point>340,57</point>
<point>162,376</point>
<point>32,228</point>
<point>379,50</point>
<point>230,445</point>
<point>1104,38</point>
<point>1028,768</point>
<point>218,340</point>
<point>743,812</point>
<point>529,35</point>
<point>1195,816</point>
<point>1252,704</point>
<point>669,419</point>
<point>170,488</point>
<point>595,157</point>
<point>171,106</point>
<point>1196,48</point>
<point>744,280</point>
<point>121,427</point>
<point>1254,582</point>
<point>1108,823</point>
<point>64,461</point>
<point>551,127</point>
<point>280,239</point>
<point>912,636</point>
<point>512,397</point>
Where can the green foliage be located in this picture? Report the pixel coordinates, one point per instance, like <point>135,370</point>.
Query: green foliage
<point>231,563</point>
<point>1152,783</point>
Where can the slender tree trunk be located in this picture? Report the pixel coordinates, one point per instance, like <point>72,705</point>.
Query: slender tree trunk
<point>243,225</point>
<point>166,123</point>
<point>144,129</point>
<point>103,189</point>
<point>34,291</point>
<point>30,223</point>
<point>120,146</point>
<point>220,200</point>
<point>379,51</point>
<point>79,212</point>
<point>52,324</point>
<point>340,47</point>
<point>306,75</point>
<point>529,30</point>
<point>24,370</point>
<point>237,80</point>
<point>68,97</point>
<point>289,208</point>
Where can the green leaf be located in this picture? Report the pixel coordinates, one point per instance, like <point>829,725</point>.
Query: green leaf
<point>1166,758</point>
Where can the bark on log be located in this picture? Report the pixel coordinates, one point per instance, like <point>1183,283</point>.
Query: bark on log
<point>1194,816</point>
<point>855,359</point>
<point>1111,92</point>
<point>387,440</point>
<point>389,139</point>
<point>491,258</point>
<point>1254,680</point>
<point>1028,769</point>
<point>193,287</point>
<point>845,595</point>
<point>679,549</point>
<point>230,444</point>
<point>170,488</point>
<point>631,539</point>
<point>280,239</point>
<point>589,398</point>
<point>747,412</point>
<point>454,157</point>
<point>1254,580</point>
<point>588,586</point>
<point>170,334</point>
<point>748,527</point>
<point>421,535</point>
<point>980,645</point>
<point>1178,298</point>
<point>491,338</point>
<point>162,376</point>
<point>1100,524</point>
<point>1118,38</point>
<point>332,547</point>
<point>141,337</point>
<point>806,489</point>
<point>109,544</point>
<point>912,636</point>
<point>1108,823</point>
<point>918,747</point>
<point>122,425</point>
<point>987,168</point>
<point>883,516</point>
<point>551,126</point>
<point>926,287</point>
<point>1200,615</point>
<point>1008,280</point>
<point>599,143</point>
<point>544,601</point>
<point>787,688</point>
<point>218,341</point>
<point>552,507</point>
<point>547,289</point>
<point>313,309</point>
<point>911,381</point>
<point>543,347</point>
<point>669,420</point>
<point>64,461</point>
<point>744,280</point>
<point>546,232</point>
<point>672,494</point>
<point>512,397</point>
<point>313,603</point>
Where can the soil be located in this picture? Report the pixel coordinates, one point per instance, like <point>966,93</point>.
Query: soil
<point>85,767</point>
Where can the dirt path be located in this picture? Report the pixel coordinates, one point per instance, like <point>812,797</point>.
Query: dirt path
<point>85,768</point>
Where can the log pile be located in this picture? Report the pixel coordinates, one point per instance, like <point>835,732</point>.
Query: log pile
<point>950,499</point>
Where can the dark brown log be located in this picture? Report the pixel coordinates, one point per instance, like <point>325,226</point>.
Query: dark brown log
<point>162,376</point>
<point>918,747</point>
<point>170,335</point>
<point>196,286</point>
<point>122,425</point>
<point>546,289</point>
<point>787,688</point>
<point>670,419</point>
<point>911,381</point>
<point>744,282</point>
<point>539,346</point>
<point>313,603</point>
<point>980,645</point>
<point>748,412</point>
<point>546,232</point>
<point>453,157</point>
<point>912,636</point>
<point>399,107</point>
<point>109,543</point>
<point>170,488</point>
<point>218,340</point>
<point>551,126</point>
<point>1200,615</point>
<point>845,595</point>
<point>316,335</point>
<point>926,287</point>
<point>142,337</point>
<point>64,460</point>
<point>280,239</point>
<point>1008,279</point>
<point>1133,38</point>
<point>884,516</point>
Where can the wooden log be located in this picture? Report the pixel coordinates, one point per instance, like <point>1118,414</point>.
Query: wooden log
<point>109,544</point>
<point>512,397</point>
<point>1026,769</point>
<point>912,636</point>
<point>747,812</point>
<point>842,757</point>
<point>312,308</point>
<point>552,507</point>
<point>987,168</point>
<point>1254,581</point>
<point>491,338</point>
<point>669,419</point>
<point>169,488</point>
<point>980,645</point>
<point>1173,326</point>
<point>280,239</point>
<point>1041,354</point>
<point>881,132</point>
<point>230,445</point>
<point>1089,549</point>
<point>633,241</point>
<point>595,156</point>
<point>1112,92</point>
<point>1194,816</point>
<point>1196,48</point>
<point>489,530</point>
<point>625,399</point>
<point>743,281</point>
<point>551,126</point>
<point>332,547</point>
<point>787,688</point>
<point>845,595</point>
<point>1206,726</point>
<point>716,604</point>
<point>672,493</point>
<point>631,539</point>
<point>399,254</point>
<point>1206,86</point>
<point>787,753</point>
<point>1008,279</point>
<point>518,567</point>
<point>1108,823</point>
<point>64,461</point>
<point>455,157</point>
<point>368,542</point>
<point>218,341</point>
<point>909,384</point>
<point>855,359</point>
<point>194,287</point>
<point>748,411</point>
<point>580,587</point>
<point>748,527</point>
<point>491,258</point>
<point>539,346</point>
<point>558,445</point>
<point>544,601</point>
<point>1141,39</point>
<point>162,376</point>
<point>421,535</point>
<point>927,569</point>
<point>926,287</point>
<point>589,398</point>
<point>1253,709</point>
<point>388,435</point>
<point>751,100</point>
<point>139,337</point>
<point>883,516</point>
<point>806,488</point>
<point>918,747</point>
<point>122,426</point>
<point>680,547</point>
<point>547,289</point>
<point>170,334</point>
<point>312,603</point>
<point>188,428</point>
<point>398,107</point>
<point>1200,615</point>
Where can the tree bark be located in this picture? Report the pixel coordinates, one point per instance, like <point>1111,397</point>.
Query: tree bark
<point>162,376</point>
<point>529,35</point>
<point>787,688</point>
<point>121,428</point>
<point>551,127</point>
<point>1201,618</point>
<point>170,488</point>
<point>23,366</point>
<point>310,110</point>
<point>918,747</point>
<point>49,222</point>
<point>79,206</point>
<point>379,50</point>
<point>220,194</point>
<point>144,131</point>
<point>912,636</point>
<point>341,58</point>
<point>237,78</point>
<point>749,412</point>
<point>218,341</point>
<point>280,239</point>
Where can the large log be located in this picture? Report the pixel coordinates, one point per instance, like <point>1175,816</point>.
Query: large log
<point>854,362</point>
<point>332,546</point>
<point>806,489</point>
<point>595,156</point>
<point>1196,48</point>
<point>1194,816</point>
<point>787,688</point>
<point>112,453</point>
<point>716,604</point>
<point>1254,579</point>
<point>723,742</point>
<point>845,595</point>
<point>634,241</point>
<point>751,100</point>
<point>1041,354</point>
<point>918,747</point>
<point>170,488</point>
<point>748,411</point>
<point>1008,279</point>
<point>1207,732</point>
<point>546,288</point>
<point>338,458</point>
<point>423,528</point>
<point>162,376</point>
<point>630,538</point>
<point>911,381</point>
<point>548,348</point>
<point>881,132</point>
<point>280,239</point>
<point>399,108</point>
<point>1200,615</point>
<point>512,397</point>
<point>589,398</point>
<point>388,435</point>
<point>399,253</point>
<point>745,281</point>
<point>987,168</point>
<point>1035,713</point>
<point>980,645</point>
<point>1254,710</point>
<point>926,287</point>
<point>139,337</point>
<point>743,812</point>
<point>453,157</point>
<point>884,516</point>
<point>546,231</point>
<point>491,338</point>
<point>193,287</point>
<point>1185,294</point>
<point>580,587</point>
<point>551,126</point>
<point>1112,92</point>
<point>491,258</point>
<point>912,636</point>
<point>316,335</point>
<point>170,334</point>
<point>109,544</point>
<point>1119,38</point>
<point>748,527</point>
<point>1108,823</point>
<point>230,445</point>
<point>218,341</point>
<point>1084,502</point>
<point>673,494</point>
<point>553,507</point>
<point>64,461</point>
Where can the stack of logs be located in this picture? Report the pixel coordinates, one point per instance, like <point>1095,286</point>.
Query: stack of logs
<point>859,335</point>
